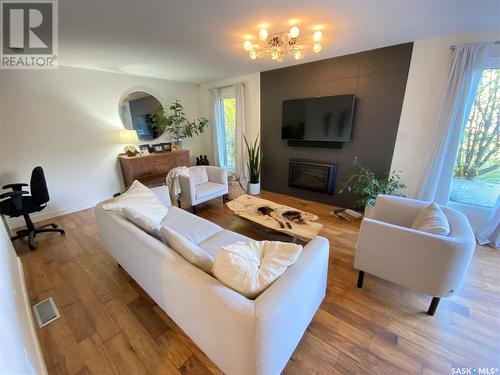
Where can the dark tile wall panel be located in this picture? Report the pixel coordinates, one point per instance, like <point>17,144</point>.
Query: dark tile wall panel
<point>378,80</point>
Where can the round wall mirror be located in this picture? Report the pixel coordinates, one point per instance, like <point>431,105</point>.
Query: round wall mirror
<point>136,112</point>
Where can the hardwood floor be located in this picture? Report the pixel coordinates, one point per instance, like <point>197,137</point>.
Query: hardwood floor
<point>110,325</point>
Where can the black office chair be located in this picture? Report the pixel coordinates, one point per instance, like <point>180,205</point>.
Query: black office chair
<point>19,203</point>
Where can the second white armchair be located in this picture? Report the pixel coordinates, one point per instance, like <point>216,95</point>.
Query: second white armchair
<point>432,264</point>
<point>203,184</point>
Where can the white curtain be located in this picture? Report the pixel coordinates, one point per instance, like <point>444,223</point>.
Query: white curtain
<point>468,63</point>
<point>490,234</point>
<point>217,130</point>
<point>241,150</point>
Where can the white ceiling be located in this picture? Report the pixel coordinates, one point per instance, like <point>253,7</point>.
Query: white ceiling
<point>201,40</point>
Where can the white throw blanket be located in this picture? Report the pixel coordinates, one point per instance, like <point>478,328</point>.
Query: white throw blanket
<point>251,267</point>
<point>172,181</point>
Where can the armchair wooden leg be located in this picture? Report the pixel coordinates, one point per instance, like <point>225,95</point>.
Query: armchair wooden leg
<point>179,203</point>
<point>361,278</point>
<point>194,209</point>
<point>433,306</point>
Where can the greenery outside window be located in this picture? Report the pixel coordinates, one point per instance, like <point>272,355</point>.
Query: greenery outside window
<point>228,106</point>
<point>476,178</point>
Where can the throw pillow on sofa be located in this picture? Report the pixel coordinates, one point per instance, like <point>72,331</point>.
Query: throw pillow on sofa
<point>188,250</point>
<point>251,267</point>
<point>432,220</point>
<point>146,224</point>
<point>141,199</point>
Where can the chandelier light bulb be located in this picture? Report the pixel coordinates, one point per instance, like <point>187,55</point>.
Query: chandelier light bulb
<point>317,47</point>
<point>263,34</point>
<point>298,54</point>
<point>274,55</point>
<point>317,35</point>
<point>294,31</point>
<point>253,55</point>
<point>247,45</point>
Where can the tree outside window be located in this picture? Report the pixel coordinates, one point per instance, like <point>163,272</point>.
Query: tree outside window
<point>477,170</point>
<point>229,110</point>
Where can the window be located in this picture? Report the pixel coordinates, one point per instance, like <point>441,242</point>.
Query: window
<point>476,177</point>
<point>228,105</point>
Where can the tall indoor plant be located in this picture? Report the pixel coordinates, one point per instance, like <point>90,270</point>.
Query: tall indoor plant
<point>253,164</point>
<point>177,124</point>
<point>366,186</point>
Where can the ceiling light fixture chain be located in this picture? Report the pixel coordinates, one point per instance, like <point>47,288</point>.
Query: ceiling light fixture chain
<point>282,44</point>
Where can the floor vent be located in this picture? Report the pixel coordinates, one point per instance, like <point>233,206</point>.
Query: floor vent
<point>46,312</point>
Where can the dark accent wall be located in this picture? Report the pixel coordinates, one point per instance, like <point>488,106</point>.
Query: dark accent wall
<point>378,80</point>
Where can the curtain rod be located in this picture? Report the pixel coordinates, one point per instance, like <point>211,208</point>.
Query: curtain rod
<point>226,86</point>
<point>455,45</point>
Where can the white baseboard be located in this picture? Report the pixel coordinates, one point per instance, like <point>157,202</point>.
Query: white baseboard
<point>46,214</point>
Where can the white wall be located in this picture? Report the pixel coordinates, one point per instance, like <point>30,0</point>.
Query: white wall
<point>425,90</point>
<point>252,102</point>
<point>19,349</point>
<point>66,120</point>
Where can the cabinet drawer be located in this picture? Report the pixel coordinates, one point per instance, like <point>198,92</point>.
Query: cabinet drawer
<point>182,159</point>
<point>162,164</point>
<point>140,167</point>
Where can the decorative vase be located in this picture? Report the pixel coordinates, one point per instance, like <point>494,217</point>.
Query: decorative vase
<point>253,189</point>
<point>177,146</point>
<point>369,208</point>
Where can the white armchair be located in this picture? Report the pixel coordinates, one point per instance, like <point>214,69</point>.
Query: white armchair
<point>425,262</point>
<point>203,184</point>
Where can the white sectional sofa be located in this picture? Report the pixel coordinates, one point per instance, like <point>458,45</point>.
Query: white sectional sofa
<point>240,335</point>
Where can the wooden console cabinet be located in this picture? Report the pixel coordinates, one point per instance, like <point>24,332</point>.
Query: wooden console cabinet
<point>153,168</point>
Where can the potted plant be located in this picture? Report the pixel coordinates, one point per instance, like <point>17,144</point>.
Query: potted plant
<point>177,124</point>
<point>363,183</point>
<point>253,164</point>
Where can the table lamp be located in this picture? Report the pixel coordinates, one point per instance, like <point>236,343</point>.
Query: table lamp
<point>127,137</point>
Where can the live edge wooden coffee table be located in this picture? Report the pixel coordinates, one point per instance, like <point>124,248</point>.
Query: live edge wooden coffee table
<point>247,207</point>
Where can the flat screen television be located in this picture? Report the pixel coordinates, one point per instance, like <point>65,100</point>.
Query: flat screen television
<point>327,118</point>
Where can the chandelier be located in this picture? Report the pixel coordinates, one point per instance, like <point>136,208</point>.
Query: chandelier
<point>282,44</point>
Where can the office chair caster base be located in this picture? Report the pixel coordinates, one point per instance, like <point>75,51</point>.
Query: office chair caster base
<point>31,234</point>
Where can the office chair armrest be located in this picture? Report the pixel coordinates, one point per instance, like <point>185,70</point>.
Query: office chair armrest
<point>15,187</point>
<point>13,194</point>
<point>16,196</point>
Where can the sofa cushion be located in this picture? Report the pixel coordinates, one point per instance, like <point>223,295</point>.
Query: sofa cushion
<point>251,267</point>
<point>141,199</point>
<point>146,224</point>
<point>192,227</point>
<point>163,194</point>
<point>198,175</point>
<point>432,219</point>
<point>223,238</point>
<point>209,188</point>
<point>188,250</point>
